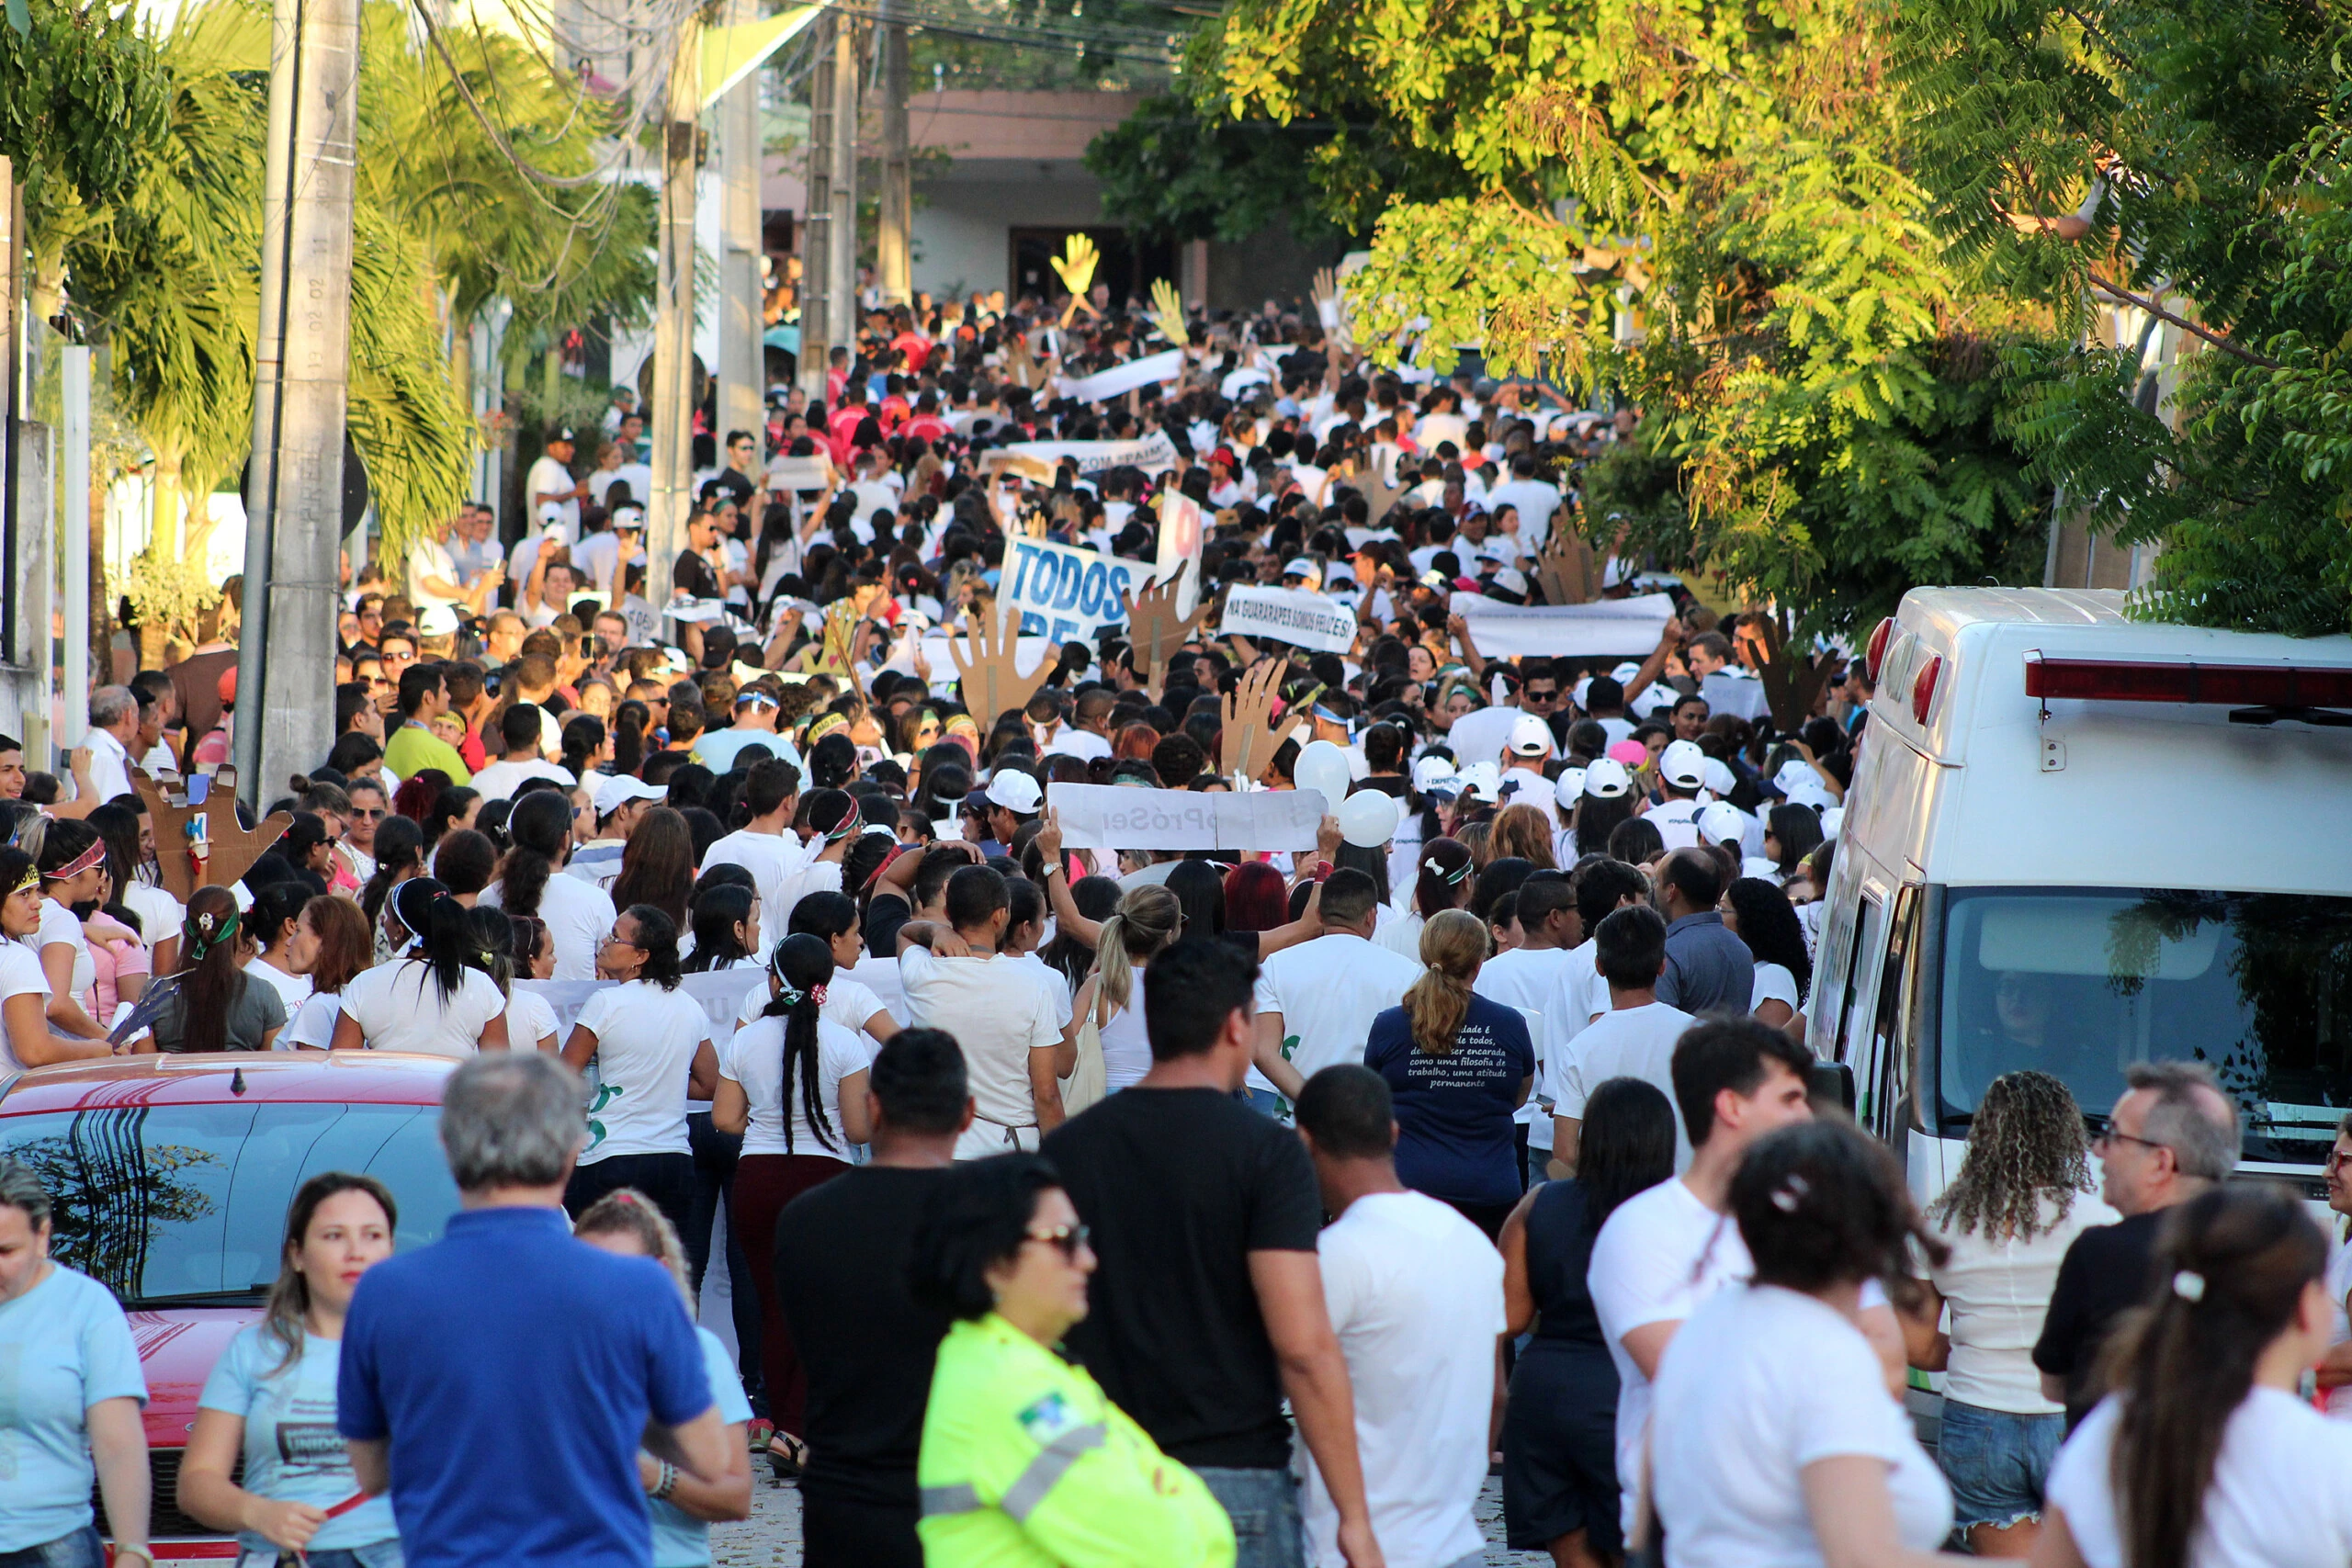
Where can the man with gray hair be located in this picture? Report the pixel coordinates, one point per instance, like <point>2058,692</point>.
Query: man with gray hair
<point>2172,1135</point>
<point>114,729</point>
<point>499,1382</point>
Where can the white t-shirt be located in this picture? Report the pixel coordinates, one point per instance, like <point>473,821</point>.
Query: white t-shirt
<point>1999,1292</point>
<point>549,477</point>
<point>878,973</point>
<point>772,858</point>
<point>20,976</point>
<point>2337,1402</point>
<point>645,1040</point>
<point>1400,931</point>
<point>1416,1297</point>
<point>1630,1043</point>
<point>1083,744</point>
<point>159,913</point>
<point>501,779</point>
<point>1524,978</point>
<point>292,990</point>
<point>2281,1497</point>
<point>1579,995</point>
<point>1677,822</point>
<point>1774,983</point>
<point>754,1058</point>
<point>430,557</point>
<point>1329,991</point>
<point>998,1014</point>
<point>1126,1044</point>
<point>530,1023</point>
<point>1658,1257</point>
<point>313,1022</point>
<point>1761,1383</point>
<point>812,875</point>
<point>579,915</point>
<point>850,1004</point>
<point>399,1008</point>
<point>58,925</point>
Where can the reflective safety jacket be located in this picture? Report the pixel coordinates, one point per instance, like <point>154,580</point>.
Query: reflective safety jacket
<point>1027,1464</point>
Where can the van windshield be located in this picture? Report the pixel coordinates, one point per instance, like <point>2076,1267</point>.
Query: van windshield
<point>2080,982</point>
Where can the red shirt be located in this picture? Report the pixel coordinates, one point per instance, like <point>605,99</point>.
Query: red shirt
<point>914,345</point>
<point>929,426</point>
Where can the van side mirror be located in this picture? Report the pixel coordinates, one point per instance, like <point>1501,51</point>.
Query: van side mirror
<point>1832,1082</point>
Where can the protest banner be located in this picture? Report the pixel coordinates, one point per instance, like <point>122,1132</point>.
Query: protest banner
<point>1182,532</point>
<point>720,992</point>
<point>1118,816</point>
<point>1064,593</point>
<point>1042,459</point>
<point>1628,628</point>
<point>798,474</point>
<point>1125,377</point>
<point>1292,616</point>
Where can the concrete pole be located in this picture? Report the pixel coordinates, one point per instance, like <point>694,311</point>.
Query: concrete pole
<point>294,487</point>
<point>742,357</point>
<point>73,491</point>
<point>674,321</point>
<point>817,223</point>
<point>841,236</point>
<point>893,247</point>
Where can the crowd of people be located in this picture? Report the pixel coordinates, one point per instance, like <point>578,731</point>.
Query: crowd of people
<point>1085,1205</point>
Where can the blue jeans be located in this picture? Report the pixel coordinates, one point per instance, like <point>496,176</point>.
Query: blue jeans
<point>79,1550</point>
<point>1998,1463</point>
<point>1264,1506</point>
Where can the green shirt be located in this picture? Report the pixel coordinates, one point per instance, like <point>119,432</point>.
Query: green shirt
<point>1027,1464</point>
<point>412,749</point>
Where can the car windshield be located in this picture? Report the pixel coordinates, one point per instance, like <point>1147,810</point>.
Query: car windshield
<point>178,1202</point>
<point>2081,983</point>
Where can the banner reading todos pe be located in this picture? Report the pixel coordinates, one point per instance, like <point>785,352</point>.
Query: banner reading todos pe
<point>1291,615</point>
<point>1116,817</point>
<point>1065,594</point>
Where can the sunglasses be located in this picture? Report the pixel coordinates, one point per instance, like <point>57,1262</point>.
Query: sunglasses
<point>1069,1239</point>
<point>365,815</point>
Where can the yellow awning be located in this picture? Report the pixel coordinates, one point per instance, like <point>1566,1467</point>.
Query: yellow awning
<point>729,54</point>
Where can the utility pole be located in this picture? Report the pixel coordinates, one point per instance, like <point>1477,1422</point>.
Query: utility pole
<point>840,234</point>
<point>742,357</point>
<point>294,486</point>
<point>893,243</point>
<point>673,321</point>
<point>817,223</point>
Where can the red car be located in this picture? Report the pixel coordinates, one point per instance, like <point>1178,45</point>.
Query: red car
<point>170,1178</point>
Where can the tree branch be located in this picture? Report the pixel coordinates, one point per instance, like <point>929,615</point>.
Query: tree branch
<point>2183,323</point>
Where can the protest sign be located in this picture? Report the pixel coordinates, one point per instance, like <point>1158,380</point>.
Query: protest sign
<point>1041,459</point>
<point>1064,593</point>
<point>1117,817</point>
<point>1608,626</point>
<point>1182,531</point>
<point>1292,616</point>
<point>1125,377</point>
<point>720,992</point>
<point>798,474</point>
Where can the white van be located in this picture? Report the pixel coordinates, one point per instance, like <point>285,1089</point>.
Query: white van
<point>2077,840</point>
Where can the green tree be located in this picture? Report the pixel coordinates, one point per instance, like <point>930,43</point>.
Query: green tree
<point>2184,161</point>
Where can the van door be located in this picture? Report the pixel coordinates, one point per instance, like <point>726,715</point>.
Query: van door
<point>1892,1074</point>
<point>1843,995</point>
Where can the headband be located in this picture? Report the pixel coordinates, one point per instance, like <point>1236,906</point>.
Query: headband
<point>79,863</point>
<point>756,696</point>
<point>203,936</point>
<point>31,879</point>
<point>1455,877</point>
<point>792,995</point>
<point>402,900</point>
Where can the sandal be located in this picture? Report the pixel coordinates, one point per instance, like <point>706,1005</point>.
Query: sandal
<point>787,1456</point>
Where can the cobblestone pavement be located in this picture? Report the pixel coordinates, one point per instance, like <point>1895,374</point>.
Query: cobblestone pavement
<point>771,1536</point>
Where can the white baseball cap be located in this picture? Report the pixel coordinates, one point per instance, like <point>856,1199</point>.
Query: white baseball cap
<point>1482,780</point>
<point>1626,673</point>
<point>437,620</point>
<point>1511,580</point>
<point>1529,737</point>
<point>1299,566</point>
<point>1016,791</point>
<point>621,788</point>
<point>1721,822</point>
<point>1720,778</point>
<point>1682,764</point>
<point>1435,775</point>
<point>1568,787</point>
<point>1606,778</point>
<point>1832,819</point>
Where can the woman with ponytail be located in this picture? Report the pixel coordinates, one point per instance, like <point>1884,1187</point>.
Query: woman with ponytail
<point>726,922</point>
<point>577,913</point>
<point>216,1006</point>
<point>794,1084</point>
<point>1458,1066</point>
<point>650,1043</point>
<point>2202,1455</point>
<point>530,1021</point>
<point>831,816</point>
<point>399,855</point>
<point>1443,882</point>
<point>426,998</point>
<point>1146,920</point>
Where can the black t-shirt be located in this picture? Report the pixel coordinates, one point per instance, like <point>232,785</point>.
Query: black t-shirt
<point>840,1273</point>
<point>2104,1273</point>
<point>1180,1186</point>
<point>695,574</point>
<point>738,485</point>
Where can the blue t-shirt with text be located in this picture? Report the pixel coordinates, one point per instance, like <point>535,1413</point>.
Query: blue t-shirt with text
<point>1455,1138</point>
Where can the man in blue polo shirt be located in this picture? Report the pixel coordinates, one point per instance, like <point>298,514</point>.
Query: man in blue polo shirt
<point>499,1382</point>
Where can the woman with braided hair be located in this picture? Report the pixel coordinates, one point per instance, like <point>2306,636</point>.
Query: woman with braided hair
<point>214,1004</point>
<point>2025,1190</point>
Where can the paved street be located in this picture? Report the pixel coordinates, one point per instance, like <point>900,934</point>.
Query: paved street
<point>771,1536</point>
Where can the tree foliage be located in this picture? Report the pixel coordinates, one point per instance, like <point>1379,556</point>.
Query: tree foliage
<point>1823,400</point>
<point>2204,146</point>
<point>1168,172</point>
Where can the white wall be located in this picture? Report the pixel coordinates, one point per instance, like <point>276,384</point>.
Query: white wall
<point>960,226</point>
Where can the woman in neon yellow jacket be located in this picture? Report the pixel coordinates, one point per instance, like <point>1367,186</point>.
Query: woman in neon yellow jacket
<point>1026,1462</point>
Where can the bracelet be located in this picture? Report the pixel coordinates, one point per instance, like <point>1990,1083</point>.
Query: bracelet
<point>136,1551</point>
<point>661,1488</point>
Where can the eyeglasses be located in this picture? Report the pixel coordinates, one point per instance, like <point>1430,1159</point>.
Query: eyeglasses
<point>614,939</point>
<point>2338,1158</point>
<point>1071,1239</point>
<point>2110,1136</point>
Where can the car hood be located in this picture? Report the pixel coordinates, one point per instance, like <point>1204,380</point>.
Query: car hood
<point>177,1350</point>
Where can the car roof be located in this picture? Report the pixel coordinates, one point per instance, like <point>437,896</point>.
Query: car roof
<point>363,1077</point>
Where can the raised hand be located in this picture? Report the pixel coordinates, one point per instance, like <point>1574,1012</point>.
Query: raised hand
<point>1155,630</point>
<point>217,855</point>
<point>986,664</point>
<point>1249,735</point>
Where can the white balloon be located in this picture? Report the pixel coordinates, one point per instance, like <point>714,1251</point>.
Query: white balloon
<point>1368,818</point>
<point>1323,765</point>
